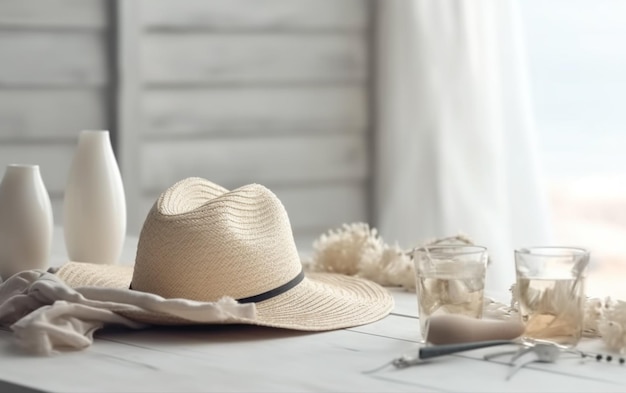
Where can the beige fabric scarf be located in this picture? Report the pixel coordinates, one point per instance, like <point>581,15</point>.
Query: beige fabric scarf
<point>46,315</point>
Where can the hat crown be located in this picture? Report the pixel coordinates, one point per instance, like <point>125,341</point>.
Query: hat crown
<point>203,242</point>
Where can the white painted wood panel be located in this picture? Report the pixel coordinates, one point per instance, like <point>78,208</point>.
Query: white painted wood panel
<point>52,66</point>
<point>129,95</point>
<point>31,58</point>
<point>316,209</point>
<point>50,114</point>
<point>312,207</point>
<point>53,13</point>
<point>57,208</point>
<point>323,206</point>
<point>227,111</point>
<point>53,159</point>
<point>253,58</point>
<point>234,162</point>
<point>270,91</point>
<point>282,15</point>
<point>304,241</point>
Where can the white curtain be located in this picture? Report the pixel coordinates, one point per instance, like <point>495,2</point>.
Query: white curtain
<point>455,146</point>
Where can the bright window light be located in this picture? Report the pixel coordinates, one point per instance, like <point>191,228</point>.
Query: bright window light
<point>577,62</point>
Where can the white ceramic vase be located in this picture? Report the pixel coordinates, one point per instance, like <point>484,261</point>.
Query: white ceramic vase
<point>94,205</point>
<point>25,221</point>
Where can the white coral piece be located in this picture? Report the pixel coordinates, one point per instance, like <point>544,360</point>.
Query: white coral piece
<point>393,268</point>
<point>613,335</point>
<point>357,250</point>
<point>592,314</point>
<point>342,250</point>
<point>399,268</point>
<point>612,325</point>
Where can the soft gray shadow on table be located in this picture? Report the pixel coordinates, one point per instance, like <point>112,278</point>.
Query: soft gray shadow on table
<point>176,335</point>
<point>13,388</point>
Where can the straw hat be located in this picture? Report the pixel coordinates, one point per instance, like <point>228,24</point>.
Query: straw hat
<point>202,242</point>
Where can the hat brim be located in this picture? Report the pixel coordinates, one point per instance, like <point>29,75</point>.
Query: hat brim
<point>321,301</point>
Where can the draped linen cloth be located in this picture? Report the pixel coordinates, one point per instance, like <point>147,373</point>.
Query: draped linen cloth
<point>47,316</point>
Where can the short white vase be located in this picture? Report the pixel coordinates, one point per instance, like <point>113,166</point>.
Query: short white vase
<point>94,205</point>
<point>25,221</point>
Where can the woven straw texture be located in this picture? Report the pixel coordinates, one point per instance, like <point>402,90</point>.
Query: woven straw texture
<point>202,242</point>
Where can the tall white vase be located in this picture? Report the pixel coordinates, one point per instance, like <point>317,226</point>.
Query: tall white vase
<point>94,204</point>
<point>25,220</point>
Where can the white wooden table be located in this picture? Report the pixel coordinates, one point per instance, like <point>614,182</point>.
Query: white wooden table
<point>247,358</point>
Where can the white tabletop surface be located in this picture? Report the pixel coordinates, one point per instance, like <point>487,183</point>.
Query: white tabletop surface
<point>255,359</point>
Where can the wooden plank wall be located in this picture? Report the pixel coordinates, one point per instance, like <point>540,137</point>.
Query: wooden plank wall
<point>53,83</point>
<point>267,91</point>
<point>236,91</point>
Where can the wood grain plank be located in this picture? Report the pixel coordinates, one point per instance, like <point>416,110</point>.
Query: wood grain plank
<point>234,162</point>
<point>53,160</point>
<point>50,114</point>
<point>223,111</point>
<point>271,15</point>
<point>235,358</point>
<point>32,58</point>
<point>312,207</point>
<point>53,13</point>
<point>249,58</point>
<point>211,359</point>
